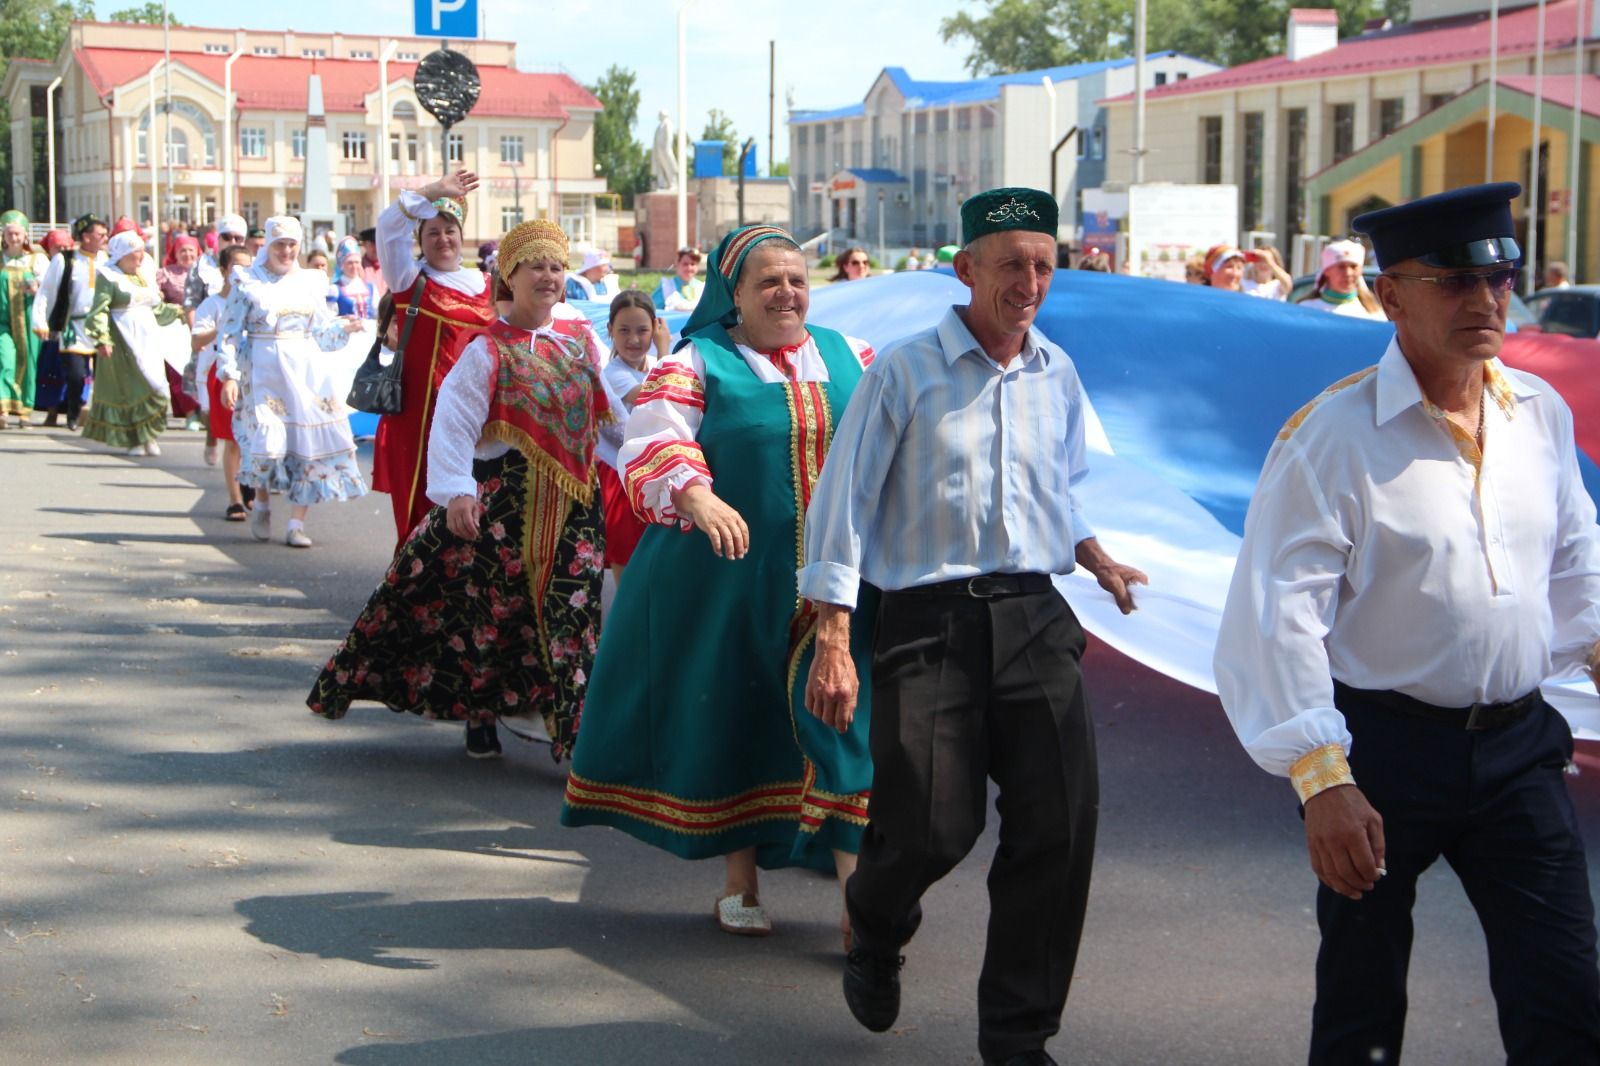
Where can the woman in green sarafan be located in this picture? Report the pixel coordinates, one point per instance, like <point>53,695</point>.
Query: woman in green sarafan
<point>695,736</point>
<point>22,268</point>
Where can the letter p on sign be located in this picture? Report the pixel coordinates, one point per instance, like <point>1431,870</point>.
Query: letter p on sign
<point>447,18</point>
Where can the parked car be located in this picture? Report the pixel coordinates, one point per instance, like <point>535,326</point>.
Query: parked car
<point>1519,315</point>
<point>1571,312</point>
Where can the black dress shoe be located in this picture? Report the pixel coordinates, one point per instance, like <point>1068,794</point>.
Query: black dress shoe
<point>483,740</point>
<point>1037,1057</point>
<point>872,987</point>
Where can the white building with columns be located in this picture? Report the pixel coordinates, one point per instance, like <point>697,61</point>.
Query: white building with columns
<point>237,126</point>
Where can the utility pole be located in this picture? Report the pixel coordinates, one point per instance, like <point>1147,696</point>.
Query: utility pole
<point>772,102</point>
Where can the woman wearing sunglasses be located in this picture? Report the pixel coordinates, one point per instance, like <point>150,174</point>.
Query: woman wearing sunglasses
<point>854,265</point>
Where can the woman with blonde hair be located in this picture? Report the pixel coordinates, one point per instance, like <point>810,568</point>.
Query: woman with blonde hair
<point>491,607</point>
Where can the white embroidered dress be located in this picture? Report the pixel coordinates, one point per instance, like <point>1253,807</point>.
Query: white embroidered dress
<point>291,423</point>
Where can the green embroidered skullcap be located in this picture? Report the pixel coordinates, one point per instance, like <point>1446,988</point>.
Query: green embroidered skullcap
<point>85,223</point>
<point>997,210</point>
<point>14,217</point>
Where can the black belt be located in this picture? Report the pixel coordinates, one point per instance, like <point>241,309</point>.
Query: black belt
<point>984,586</point>
<point>1477,716</point>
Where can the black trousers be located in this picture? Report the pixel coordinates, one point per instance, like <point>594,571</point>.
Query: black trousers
<point>1494,804</point>
<point>76,368</point>
<point>963,690</point>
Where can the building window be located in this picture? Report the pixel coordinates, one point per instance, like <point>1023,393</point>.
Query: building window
<point>1437,100</point>
<point>361,53</point>
<point>1211,139</point>
<point>1161,77</point>
<point>410,147</point>
<point>822,136</point>
<point>1183,75</point>
<point>265,50</point>
<point>406,57</point>
<point>297,144</point>
<point>251,210</point>
<point>1097,143</point>
<point>178,149</point>
<point>354,144</point>
<point>1254,149</point>
<point>217,49</point>
<point>510,216</point>
<point>1344,130</point>
<point>511,150</point>
<point>313,53</point>
<point>1294,178</point>
<point>964,120</point>
<point>208,210</point>
<point>253,142</point>
<point>291,207</point>
<point>802,136</point>
<point>1391,113</point>
<point>455,148</point>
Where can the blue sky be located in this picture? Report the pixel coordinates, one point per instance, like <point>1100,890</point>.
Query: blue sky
<point>828,50</point>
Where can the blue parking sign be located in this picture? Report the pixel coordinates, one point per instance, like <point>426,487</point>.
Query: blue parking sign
<point>447,18</point>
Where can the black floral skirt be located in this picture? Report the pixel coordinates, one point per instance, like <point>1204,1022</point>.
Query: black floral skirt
<point>455,632</point>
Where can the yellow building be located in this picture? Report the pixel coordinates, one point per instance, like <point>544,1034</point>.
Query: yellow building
<point>238,128</point>
<point>1332,127</point>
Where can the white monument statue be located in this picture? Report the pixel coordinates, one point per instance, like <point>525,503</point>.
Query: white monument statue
<point>663,163</point>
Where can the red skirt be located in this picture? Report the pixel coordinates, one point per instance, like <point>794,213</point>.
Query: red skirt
<point>221,417</point>
<point>623,526</point>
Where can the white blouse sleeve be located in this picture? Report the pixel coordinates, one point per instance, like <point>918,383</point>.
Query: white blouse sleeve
<point>231,330</point>
<point>47,295</point>
<point>863,350</point>
<point>327,328</point>
<point>396,231</point>
<point>659,454</point>
<point>462,407</point>
<point>1271,663</point>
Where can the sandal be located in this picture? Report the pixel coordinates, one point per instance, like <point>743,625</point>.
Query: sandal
<point>234,513</point>
<point>742,915</point>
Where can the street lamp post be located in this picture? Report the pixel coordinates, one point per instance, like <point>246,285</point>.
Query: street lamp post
<point>883,249</point>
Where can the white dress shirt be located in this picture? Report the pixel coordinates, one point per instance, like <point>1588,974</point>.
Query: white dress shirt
<point>397,231</point>
<point>947,465</point>
<point>84,268</point>
<point>1377,551</point>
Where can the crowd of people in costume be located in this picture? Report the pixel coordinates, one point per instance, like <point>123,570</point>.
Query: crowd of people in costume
<point>862,545</point>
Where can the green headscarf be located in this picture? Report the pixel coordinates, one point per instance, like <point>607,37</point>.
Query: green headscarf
<point>716,305</point>
<point>13,217</point>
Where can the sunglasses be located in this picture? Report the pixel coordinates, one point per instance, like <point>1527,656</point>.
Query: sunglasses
<point>859,262</point>
<point>1500,281</point>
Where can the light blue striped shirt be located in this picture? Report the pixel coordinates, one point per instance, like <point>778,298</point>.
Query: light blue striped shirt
<point>945,465</point>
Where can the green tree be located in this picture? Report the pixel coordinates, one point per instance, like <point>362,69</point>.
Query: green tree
<point>148,13</point>
<point>31,29</point>
<point>1014,35</point>
<point>719,127</point>
<point>778,170</point>
<point>621,160</point>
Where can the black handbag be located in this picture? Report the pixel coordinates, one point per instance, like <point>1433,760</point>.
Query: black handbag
<point>377,388</point>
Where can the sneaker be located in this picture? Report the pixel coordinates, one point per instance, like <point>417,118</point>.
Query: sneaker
<point>152,448</point>
<point>296,538</point>
<point>483,740</point>
<point>137,449</point>
<point>261,521</point>
<point>213,451</point>
<point>872,987</point>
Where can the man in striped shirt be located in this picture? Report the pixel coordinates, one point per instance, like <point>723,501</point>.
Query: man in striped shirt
<point>949,485</point>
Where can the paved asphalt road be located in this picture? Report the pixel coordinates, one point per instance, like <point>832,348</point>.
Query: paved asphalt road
<point>195,870</point>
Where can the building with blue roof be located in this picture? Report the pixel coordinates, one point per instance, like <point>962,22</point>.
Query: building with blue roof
<point>912,150</point>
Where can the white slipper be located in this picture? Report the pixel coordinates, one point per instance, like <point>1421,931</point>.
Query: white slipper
<point>736,916</point>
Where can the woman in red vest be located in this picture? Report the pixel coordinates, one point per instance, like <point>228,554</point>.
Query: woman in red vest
<point>453,307</point>
<point>491,607</point>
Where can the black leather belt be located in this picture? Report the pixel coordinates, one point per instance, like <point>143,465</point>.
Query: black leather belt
<point>1477,716</point>
<point>984,586</point>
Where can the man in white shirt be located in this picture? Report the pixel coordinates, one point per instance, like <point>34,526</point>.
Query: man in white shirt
<point>61,309</point>
<point>1419,555</point>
